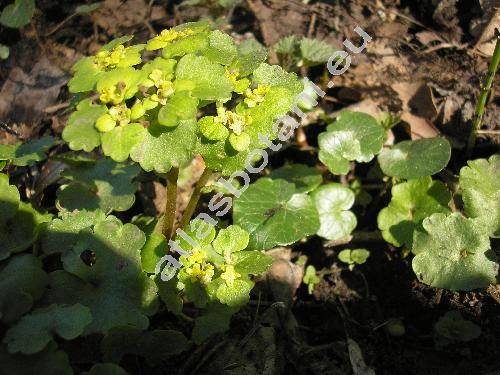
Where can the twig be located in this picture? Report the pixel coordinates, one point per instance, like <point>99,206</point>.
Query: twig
<point>481,104</point>
<point>195,197</point>
<point>169,215</point>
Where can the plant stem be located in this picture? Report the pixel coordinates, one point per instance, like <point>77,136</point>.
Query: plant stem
<point>195,197</point>
<point>169,214</point>
<point>485,89</point>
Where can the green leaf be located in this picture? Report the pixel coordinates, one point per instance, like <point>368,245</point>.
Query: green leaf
<point>22,282</point>
<point>305,178</point>
<point>275,75</point>
<point>171,297</point>
<point>208,78</point>
<point>87,8</point>
<point>4,52</point>
<point>250,55</point>
<point>273,214</point>
<point>221,48</point>
<point>34,331</point>
<point>415,159</point>
<point>213,131</point>
<point>50,361</point>
<point>171,148</point>
<point>154,249</point>
<point>333,202</point>
<point>216,320</point>
<point>251,262</point>
<point>103,272</point>
<point>155,346</point>
<point>86,75</point>
<point>411,203</point>
<point>310,278</point>
<point>231,239</point>
<point>181,106</point>
<point>352,257</point>
<point>104,185</point>
<point>287,45</point>
<point>116,42</point>
<point>27,153</point>
<point>453,253</point>
<point>62,233</point>
<point>353,136</point>
<point>188,44</point>
<point>106,369</point>
<point>80,132</point>
<point>17,14</point>
<point>237,294</point>
<point>315,52</point>
<point>480,185</point>
<point>118,142</point>
<point>452,328</point>
<point>9,199</point>
<point>20,231</point>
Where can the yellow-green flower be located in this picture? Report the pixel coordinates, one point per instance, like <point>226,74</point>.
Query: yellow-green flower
<point>113,94</point>
<point>166,37</point>
<point>164,87</point>
<point>117,115</point>
<point>110,59</point>
<point>255,96</point>
<point>232,120</point>
<point>229,274</point>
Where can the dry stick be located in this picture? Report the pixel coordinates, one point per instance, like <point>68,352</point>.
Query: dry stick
<point>195,197</point>
<point>481,104</point>
<point>169,215</point>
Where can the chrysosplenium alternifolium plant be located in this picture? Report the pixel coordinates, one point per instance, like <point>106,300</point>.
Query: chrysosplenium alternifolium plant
<point>152,107</point>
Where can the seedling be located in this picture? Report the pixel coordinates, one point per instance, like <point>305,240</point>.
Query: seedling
<point>353,257</point>
<point>311,278</point>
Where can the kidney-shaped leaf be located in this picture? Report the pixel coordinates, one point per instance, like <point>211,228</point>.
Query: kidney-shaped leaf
<point>103,272</point>
<point>454,253</point>
<point>480,184</point>
<point>80,132</point>
<point>103,185</point>
<point>18,13</point>
<point>415,159</point>
<point>273,214</point>
<point>22,282</point>
<point>207,77</point>
<point>173,147</point>
<point>305,178</point>
<point>333,202</point>
<point>34,331</point>
<point>27,153</point>
<point>353,136</point>
<point>411,203</point>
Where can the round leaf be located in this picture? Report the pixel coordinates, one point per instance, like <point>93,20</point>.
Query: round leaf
<point>453,253</point>
<point>80,132</point>
<point>333,202</point>
<point>18,14</point>
<point>274,215</point>
<point>411,203</point>
<point>104,185</point>
<point>27,153</point>
<point>171,148</point>
<point>34,331</point>
<point>305,178</point>
<point>118,142</point>
<point>480,184</point>
<point>415,159</point>
<point>353,136</point>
